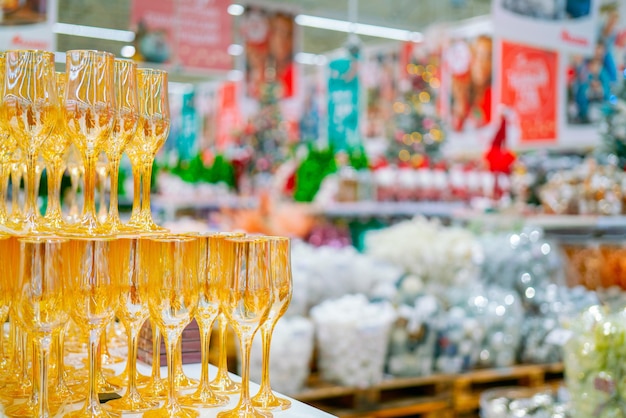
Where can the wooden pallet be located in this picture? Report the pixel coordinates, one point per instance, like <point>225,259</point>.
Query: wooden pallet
<point>469,386</point>
<point>393,397</point>
<point>439,395</point>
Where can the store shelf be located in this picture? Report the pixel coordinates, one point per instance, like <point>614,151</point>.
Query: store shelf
<point>370,209</point>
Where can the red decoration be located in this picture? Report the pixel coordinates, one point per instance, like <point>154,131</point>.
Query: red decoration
<point>498,157</point>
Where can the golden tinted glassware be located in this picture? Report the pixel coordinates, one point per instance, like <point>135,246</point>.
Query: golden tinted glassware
<point>53,152</point>
<point>171,263</point>
<point>245,297</point>
<point>280,273</point>
<point>30,108</point>
<point>206,313</point>
<point>132,312</point>
<point>124,128</point>
<point>89,111</point>
<point>94,298</point>
<point>155,388</point>
<point>154,126</point>
<point>40,306</point>
<point>222,383</point>
<point>8,270</point>
<point>8,144</point>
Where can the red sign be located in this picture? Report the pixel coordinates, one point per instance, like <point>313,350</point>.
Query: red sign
<point>229,119</point>
<point>529,88</point>
<point>192,33</point>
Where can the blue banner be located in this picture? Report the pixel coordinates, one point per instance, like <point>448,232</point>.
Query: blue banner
<point>343,104</point>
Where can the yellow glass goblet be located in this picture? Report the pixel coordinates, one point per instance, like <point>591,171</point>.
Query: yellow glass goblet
<point>124,128</point>
<point>40,306</point>
<point>30,108</point>
<point>154,126</point>
<point>94,298</point>
<point>132,312</point>
<point>8,144</point>
<point>171,263</point>
<point>246,297</point>
<point>280,272</point>
<point>53,152</point>
<point>89,111</point>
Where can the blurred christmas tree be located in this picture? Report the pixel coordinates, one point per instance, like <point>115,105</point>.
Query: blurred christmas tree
<point>266,134</point>
<point>613,130</point>
<point>419,133</point>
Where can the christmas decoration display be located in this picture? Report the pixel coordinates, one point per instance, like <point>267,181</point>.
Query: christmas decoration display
<point>419,133</point>
<point>522,403</point>
<point>499,158</point>
<point>352,335</point>
<point>594,363</point>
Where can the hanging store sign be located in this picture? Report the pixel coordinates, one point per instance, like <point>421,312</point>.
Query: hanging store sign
<point>28,25</point>
<point>343,104</point>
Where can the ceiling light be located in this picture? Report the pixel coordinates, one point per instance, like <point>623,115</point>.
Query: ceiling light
<point>236,9</point>
<point>235,49</point>
<point>358,28</point>
<point>94,32</point>
<point>127,51</point>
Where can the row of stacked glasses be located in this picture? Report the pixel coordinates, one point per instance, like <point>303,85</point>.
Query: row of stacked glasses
<point>169,279</point>
<point>54,275</point>
<point>99,105</point>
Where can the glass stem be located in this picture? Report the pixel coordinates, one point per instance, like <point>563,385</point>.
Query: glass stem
<point>114,167</point>
<point>223,359</point>
<point>89,208</point>
<point>44,351</point>
<point>61,357</point>
<point>94,341</point>
<point>55,176</point>
<point>171,341</point>
<point>4,177</point>
<point>245,369</point>
<point>30,205</point>
<point>16,180</point>
<point>132,360</point>
<point>205,339</point>
<point>156,352</point>
<point>266,341</point>
<point>145,191</point>
<point>24,356</point>
<point>136,211</point>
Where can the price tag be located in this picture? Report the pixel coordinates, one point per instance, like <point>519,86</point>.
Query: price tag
<point>559,336</point>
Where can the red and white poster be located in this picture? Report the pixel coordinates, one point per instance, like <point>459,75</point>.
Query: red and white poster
<point>529,88</point>
<point>269,39</point>
<point>192,33</point>
<point>28,25</point>
<point>228,117</point>
<point>568,26</point>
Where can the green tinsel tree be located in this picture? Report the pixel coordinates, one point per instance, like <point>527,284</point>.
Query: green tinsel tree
<point>312,171</point>
<point>266,135</point>
<point>419,133</point>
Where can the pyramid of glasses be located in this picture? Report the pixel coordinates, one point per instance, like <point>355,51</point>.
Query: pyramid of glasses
<point>64,280</point>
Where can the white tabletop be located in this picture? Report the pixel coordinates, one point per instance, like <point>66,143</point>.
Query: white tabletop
<point>297,410</point>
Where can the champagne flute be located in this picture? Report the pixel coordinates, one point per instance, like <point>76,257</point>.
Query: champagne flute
<point>8,144</point>
<point>208,309</point>
<point>30,108</point>
<point>53,151</point>
<point>132,312</point>
<point>76,170</point>
<point>94,298</point>
<point>102,174</point>
<point>154,126</point>
<point>124,128</point>
<point>280,273</point>
<point>41,309</point>
<point>171,263</point>
<point>246,297</point>
<point>89,109</point>
<point>8,267</point>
